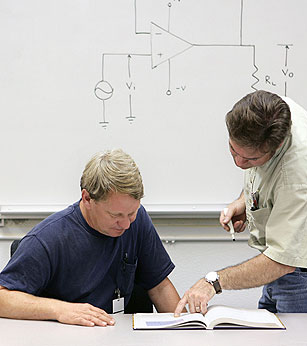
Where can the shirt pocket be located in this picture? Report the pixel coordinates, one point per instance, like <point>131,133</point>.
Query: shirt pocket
<point>127,275</point>
<point>257,224</point>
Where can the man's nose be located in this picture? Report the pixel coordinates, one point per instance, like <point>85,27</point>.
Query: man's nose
<point>124,223</point>
<point>240,161</point>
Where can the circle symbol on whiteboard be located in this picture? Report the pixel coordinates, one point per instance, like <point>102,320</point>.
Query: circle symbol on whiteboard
<point>103,90</point>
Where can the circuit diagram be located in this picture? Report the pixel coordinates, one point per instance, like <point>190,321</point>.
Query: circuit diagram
<point>166,45</point>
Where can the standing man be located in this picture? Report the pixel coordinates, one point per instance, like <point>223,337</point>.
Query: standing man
<point>268,139</point>
<point>80,264</point>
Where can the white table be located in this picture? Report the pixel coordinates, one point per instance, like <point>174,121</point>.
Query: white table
<point>48,333</point>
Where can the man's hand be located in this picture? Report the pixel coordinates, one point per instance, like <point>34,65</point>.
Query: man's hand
<point>83,314</point>
<point>21,305</point>
<point>236,213</point>
<point>197,297</point>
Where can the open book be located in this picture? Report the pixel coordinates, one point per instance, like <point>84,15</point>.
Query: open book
<point>218,316</point>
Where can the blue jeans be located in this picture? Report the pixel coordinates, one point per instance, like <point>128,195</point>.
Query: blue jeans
<point>286,294</point>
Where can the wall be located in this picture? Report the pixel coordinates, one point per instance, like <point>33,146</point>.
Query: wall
<point>155,77</point>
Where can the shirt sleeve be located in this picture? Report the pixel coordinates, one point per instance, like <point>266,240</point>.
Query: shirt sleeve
<point>286,229</point>
<point>29,268</point>
<point>154,263</point>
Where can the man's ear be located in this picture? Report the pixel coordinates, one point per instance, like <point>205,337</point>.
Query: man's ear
<point>86,198</point>
<point>281,144</point>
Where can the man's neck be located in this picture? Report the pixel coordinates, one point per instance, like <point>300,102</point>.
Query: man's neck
<point>85,214</point>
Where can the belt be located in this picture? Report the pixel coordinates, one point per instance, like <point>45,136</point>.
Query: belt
<point>303,269</point>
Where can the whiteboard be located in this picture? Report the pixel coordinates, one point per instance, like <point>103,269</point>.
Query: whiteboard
<point>153,77</point>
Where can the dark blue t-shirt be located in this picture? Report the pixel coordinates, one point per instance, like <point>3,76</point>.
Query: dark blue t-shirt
<point>64,258</point>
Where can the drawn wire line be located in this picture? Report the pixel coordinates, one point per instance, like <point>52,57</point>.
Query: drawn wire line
<point>103,123</point>
<point>241,23</point>
<point>102,65</point>
<point>135,16</point>
<point>254,48</point>
<point>236,45</point>
<point>169,77</point>
<point>169,16</point>
<point>130,117</point>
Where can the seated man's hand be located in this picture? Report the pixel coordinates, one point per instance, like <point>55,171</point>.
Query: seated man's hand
<point>83,314</point>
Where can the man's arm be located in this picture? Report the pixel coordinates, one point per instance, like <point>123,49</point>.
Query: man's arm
<point>236,213</point>
<point>255,272</point>
<point>20,305</point>
<point>164,296</point>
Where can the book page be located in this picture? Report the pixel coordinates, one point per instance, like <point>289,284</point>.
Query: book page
<point>246,317</point>
<point>166,320</point>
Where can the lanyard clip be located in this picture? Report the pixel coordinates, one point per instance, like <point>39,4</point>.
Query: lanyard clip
<point>117,292</point>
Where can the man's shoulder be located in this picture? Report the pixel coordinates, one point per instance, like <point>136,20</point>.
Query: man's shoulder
<point>142,216</point>
<point>56,220</point>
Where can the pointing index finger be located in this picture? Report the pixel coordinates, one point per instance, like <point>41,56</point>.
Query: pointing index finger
<point>180,306</point>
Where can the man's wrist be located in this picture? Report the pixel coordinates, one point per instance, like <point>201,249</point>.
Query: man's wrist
<point>213,279</point>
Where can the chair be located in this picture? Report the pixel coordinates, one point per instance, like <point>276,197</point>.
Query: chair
<point>139,300</point>
<point>14,246</point>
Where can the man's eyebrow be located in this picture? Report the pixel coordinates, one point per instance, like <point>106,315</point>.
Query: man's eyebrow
<point>243,157</point>
<point>120,213</point>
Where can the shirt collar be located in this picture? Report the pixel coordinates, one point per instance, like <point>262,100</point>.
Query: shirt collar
<point>278,153</point>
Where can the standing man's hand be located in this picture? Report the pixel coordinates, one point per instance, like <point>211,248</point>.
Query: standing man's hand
<point>236,213</point>
<point>197,297</point>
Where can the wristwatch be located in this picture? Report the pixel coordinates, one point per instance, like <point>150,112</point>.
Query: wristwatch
<point>213,279</point>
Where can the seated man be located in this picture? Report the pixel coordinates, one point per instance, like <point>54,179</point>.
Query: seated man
<point>73,265</point>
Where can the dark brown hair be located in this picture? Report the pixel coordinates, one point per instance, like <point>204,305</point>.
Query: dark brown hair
<point>260,120</point>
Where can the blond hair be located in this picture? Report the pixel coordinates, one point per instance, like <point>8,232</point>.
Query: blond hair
<point>112,171</point>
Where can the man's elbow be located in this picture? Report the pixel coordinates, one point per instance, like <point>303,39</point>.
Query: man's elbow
<point>286,269</point>
<point>290,269</point>
<point>160,287</point>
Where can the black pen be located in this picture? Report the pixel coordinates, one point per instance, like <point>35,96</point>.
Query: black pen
<point>125,260</point>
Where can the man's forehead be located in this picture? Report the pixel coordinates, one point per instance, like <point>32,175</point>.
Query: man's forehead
<point>246,152</point>
<point>118,203</point>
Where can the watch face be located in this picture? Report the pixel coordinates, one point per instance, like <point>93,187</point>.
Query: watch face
<point>212,276</point>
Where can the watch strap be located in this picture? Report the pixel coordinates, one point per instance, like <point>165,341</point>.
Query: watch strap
<point>214,282</point>
<point>217,286</point>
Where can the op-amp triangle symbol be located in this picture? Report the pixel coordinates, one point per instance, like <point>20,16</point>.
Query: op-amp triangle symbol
<point>165,45</point>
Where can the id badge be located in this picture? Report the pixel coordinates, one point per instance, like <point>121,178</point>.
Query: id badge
<point>118,305</point>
